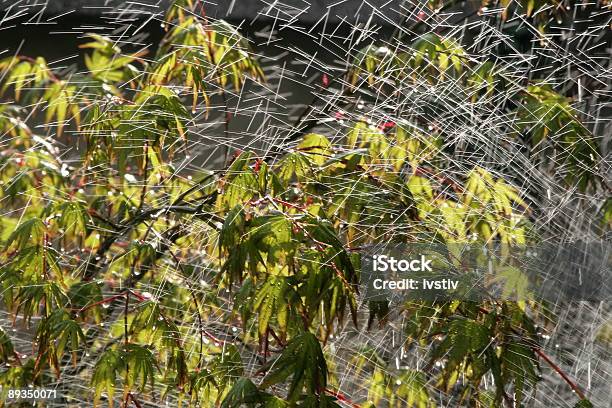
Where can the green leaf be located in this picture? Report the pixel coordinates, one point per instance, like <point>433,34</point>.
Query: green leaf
<point>139,362</point>
<point>515,283</point>
<point>29,231</point>
<point>158,329</point>
<point>454,215</point>
<point>530,7</point>
<point>271,300</point>
<point>65,331</point>
<point>195,52</point>
<point>316,147</point>
<point>20,75</point>
<point>420,188</point>
<point>101,42</point>
<point>33,294</point>
<point>6,347</point>
<point>546,116</point>
<point>437,56</point>
<point>84,294</point>
<point>104,378</point>
<point>60,102</point>
<point>243,393</point>
<point>302,361</point>
<point>484,79</point>
<point>240,189</point>
<point>227,366</point>
<point>294,166</point>
<point>270,401</point>
<point>142,365</point>
<point>356,134</point>
<point>24,72</point>
<point>476,187</point>
<point>519,363</point>
<point>584,403</point>
<point>322,232</point>
<point>411,386</point>
<point>106,63</point>
<point>463,337</point>
<point>73,217</point>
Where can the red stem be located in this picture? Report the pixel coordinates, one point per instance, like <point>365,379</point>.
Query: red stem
<point>112,298</point>
<point>559,371</point>
<point>342,398</point>
<point>134,400</point>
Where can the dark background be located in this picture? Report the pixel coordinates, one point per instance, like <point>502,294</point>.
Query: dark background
<point>286,38</point>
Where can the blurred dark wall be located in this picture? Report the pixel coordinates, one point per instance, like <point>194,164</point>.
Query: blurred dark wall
<point>55,31</point>
<point>306,11</point>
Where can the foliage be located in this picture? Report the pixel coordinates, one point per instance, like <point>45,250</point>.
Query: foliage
<point>268,245</point>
